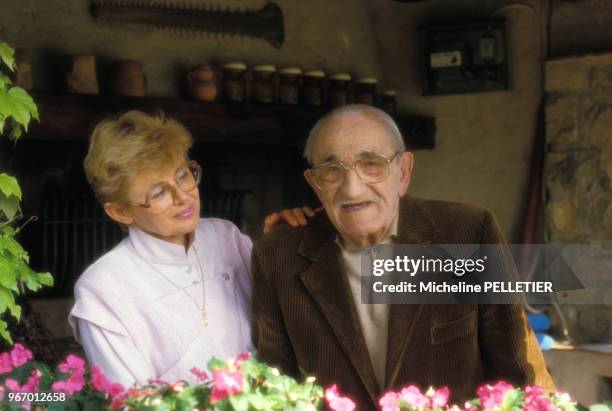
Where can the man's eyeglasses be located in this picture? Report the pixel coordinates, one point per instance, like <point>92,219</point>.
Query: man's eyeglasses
<point>161,196</point>
<point>373,169</point>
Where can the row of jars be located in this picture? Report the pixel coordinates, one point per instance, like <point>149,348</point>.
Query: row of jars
<point>266,84</point>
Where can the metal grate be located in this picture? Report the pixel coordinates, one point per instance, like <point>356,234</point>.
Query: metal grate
<point>75,232</point>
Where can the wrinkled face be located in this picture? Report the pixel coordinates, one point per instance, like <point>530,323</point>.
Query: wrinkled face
<point>362,212</point>
<point>174,223</point>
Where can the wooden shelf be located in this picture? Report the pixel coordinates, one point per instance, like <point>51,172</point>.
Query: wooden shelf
<point>72,117</point>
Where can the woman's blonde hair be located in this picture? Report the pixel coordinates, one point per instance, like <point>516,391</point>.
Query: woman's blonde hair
<point>128,144</point>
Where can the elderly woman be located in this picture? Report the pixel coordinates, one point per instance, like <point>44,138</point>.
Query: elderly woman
<point>176,291</point>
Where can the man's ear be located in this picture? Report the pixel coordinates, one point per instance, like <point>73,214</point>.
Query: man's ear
<point>311,182</point>
<point>406,166</point>
<point>118,213</point>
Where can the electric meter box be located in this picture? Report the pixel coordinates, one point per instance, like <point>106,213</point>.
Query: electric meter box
<point>465,58</point>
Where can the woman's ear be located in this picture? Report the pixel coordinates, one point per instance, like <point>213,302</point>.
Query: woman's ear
<point>118,212</point>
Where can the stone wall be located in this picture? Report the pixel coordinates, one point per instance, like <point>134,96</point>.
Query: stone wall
<point>579,156</point>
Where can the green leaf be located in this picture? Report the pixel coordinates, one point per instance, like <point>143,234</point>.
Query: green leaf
<point>44,279</point>
<point>4,81</point>
<point>9,206</point>
<point>10,247</point>
<point>8,274</point>
<point>24,107</point>
<point>28,276</point>
<point>7,55</point>
<point>599,407</point>
<point>4,332</point>
<point>9,186</point>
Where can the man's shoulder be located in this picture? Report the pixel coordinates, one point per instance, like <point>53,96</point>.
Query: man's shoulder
<point>289,239</point>
<point>450,222</point>
<point>444,210</point>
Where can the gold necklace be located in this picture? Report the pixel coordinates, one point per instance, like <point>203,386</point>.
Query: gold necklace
<point>203,308</point>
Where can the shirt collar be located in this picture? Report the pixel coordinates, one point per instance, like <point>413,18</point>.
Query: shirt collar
<point>158,251</point>
<point>348,245</point>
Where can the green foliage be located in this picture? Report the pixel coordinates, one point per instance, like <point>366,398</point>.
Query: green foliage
<point>17,109</point>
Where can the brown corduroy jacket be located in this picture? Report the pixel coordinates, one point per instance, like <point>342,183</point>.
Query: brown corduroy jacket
<point>305,322</point>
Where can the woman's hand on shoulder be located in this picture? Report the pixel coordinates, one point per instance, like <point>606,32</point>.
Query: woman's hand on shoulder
<point>295,217</point>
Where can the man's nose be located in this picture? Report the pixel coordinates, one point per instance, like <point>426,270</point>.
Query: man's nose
<point>352,186</point>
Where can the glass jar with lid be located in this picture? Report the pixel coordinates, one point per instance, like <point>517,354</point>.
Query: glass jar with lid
<point>339,89</point>
<point>234,81</point>
<point>313,89</point>
<point>388,101</point>
<point>365,91</point>
<point>289,85</point>
<point>264,83</point>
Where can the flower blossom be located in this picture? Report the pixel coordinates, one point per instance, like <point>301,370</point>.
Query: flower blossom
<point>336,402</point>
<point>226,383</point>
<point>536,400</point>
<point>492,396</point>
<point>438,398</point>
<point>389,401</point>
<point>72,363</point>
<point>6,365</point>
<point>20,355</point>
<point>200,375</point>
<point>98,379</point>
<point>413,397</point>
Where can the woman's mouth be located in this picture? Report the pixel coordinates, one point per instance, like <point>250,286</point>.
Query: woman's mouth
<point>186,213</point>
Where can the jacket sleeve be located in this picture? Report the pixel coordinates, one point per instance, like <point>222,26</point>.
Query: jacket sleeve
<point>268,327</point>
<point>508,346</point>
<point>115,354</point>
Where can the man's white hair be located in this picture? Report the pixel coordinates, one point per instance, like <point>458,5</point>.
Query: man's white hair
<point>383,118</point>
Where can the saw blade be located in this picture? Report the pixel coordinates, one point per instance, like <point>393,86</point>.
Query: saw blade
<point>266,23</point>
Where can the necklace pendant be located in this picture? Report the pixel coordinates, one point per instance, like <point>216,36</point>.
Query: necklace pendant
<point>205,319</point>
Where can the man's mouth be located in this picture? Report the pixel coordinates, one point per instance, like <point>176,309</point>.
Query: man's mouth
<point>355,206</point>
<point>186,213</point>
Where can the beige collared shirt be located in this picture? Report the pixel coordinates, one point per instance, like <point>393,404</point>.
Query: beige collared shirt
<point>373,318</point>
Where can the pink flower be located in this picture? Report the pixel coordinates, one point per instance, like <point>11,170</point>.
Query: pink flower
<point>469,406</point>
<point>20,355</point>
<point>115,389</point>
<point>31,384</point>
<point>1,393</point>
<point>6,365</point>
<point>389,401</point>
<point>336,402</point>
<point>242,357</point>
<point>413,397</point>
<point>200,375</point>
<point>438,398</point>
<point>118,400</point>
<point>536,400</point>
<point>72,362</point>
<point>225,383</point>
<point>70,387</point>
<point>12,385</point>
<point>492,395</point>
<point>98,379</point>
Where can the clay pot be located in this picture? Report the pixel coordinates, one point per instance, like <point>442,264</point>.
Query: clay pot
<point>23,76</point>
<point>202,83</point>
<point>129,78</point>
<point>80,74</point>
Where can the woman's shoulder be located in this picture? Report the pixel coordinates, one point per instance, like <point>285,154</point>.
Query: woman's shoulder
<point>218,228</point>
<point>106,267</point>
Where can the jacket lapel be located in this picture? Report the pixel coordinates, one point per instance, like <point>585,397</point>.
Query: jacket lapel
<point>329,288</point>
<point>327,284</point>
<point>415,226</point>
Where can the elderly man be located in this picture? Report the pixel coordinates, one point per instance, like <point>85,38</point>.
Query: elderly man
<point>307,312</point>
